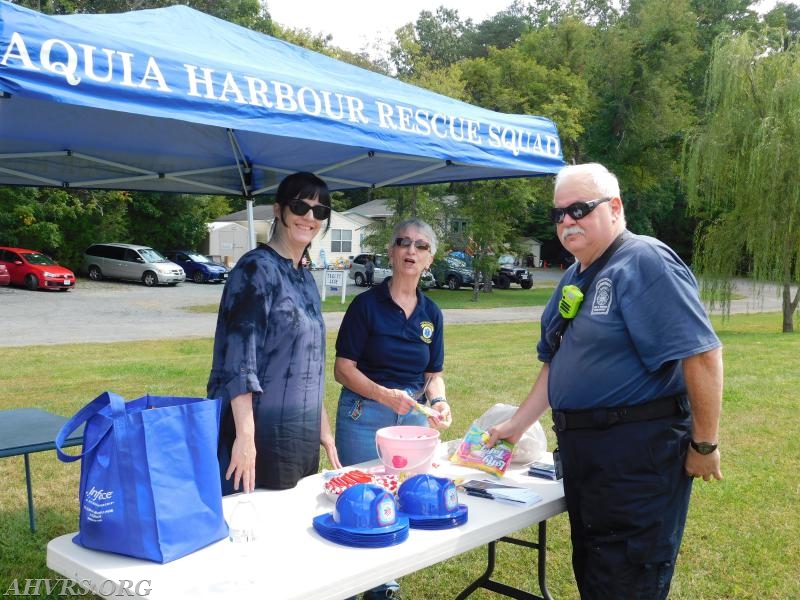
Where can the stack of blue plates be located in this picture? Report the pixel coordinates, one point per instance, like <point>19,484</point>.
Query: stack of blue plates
<point>439,522</point>
<point>431,503</point>
<point>365,517</point>
<point>328,528</point>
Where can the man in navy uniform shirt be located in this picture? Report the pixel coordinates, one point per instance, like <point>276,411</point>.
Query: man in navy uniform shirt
<point>634,379</point>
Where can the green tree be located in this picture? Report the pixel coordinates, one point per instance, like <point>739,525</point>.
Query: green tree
<point>422,202</point>
<point>167,221</point>
<point>543,74</point>
<point>644,108</point>
<point>500,31</point>
<point>436,41</point>
<point>527,79</point>
<point>741,169</point>
<point>786,17</point>
<point>493,210</point>
<point>60,222</point>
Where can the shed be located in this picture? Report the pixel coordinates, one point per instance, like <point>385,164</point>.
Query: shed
<point>532,256</point>
<point>226,242</point>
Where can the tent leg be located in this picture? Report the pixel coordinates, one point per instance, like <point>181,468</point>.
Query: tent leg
<point>251,223</point>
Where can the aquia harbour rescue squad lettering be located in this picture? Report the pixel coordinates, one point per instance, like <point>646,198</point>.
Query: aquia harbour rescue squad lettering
<point>79,63</point>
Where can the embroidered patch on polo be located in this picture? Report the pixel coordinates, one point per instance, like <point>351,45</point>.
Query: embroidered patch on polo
<point>427,331</point>
<point>602,297</point>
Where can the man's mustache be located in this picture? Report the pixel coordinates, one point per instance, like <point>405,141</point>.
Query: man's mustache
<point>571,230</point>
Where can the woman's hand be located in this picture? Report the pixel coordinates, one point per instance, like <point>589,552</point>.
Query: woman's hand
<point>333,455</point>
<point>243,453</point>
<point>328,441</point>
<point>243,463</point>
<point>399,401</point>
<point>444,417</point>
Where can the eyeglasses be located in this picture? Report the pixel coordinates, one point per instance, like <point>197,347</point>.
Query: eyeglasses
<point>300,208</point>
<point>576,210</point>
<point>405,242</point>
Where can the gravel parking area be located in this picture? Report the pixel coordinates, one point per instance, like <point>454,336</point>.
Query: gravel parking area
<point>106,311</point>
<point>111,311</point>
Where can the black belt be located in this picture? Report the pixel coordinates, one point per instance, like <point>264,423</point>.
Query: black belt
<point>601,418</point>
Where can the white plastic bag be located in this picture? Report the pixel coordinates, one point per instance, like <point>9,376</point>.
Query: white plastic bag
<point>533,443</point>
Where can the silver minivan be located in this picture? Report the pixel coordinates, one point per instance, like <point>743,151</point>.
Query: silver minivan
<point>130,262</point>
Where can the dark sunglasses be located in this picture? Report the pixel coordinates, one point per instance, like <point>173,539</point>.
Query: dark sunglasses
<point>576,210</point>
<point>405,242</point>
<point>300,208</point>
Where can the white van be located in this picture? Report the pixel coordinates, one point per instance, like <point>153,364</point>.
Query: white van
<point>132,263</point>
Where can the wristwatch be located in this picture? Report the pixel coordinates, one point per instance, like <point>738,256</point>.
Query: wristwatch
<point>703,447</point>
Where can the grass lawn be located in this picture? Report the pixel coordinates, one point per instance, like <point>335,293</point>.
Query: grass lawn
<point>462,298</point>
<point>743,537</point>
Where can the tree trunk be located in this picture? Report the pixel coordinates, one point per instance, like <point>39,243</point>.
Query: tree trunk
<point>487,281</point>
<point>789,307</point>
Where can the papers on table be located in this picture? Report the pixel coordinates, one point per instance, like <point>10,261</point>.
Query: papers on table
<point>510,494</point>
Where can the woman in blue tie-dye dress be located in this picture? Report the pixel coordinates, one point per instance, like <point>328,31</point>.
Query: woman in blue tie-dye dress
<point>269,352</point>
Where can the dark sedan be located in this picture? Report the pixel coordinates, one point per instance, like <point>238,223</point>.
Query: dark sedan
<point>199,268</point>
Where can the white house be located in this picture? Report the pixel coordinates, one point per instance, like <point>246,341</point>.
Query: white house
<point>376,210</point>
<point>333,247</point>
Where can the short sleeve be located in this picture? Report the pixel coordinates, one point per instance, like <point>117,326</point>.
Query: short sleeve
<point>353,332</point>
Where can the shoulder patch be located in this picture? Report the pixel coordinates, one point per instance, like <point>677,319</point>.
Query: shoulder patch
<point>602,297</point>
<point>426,331</point>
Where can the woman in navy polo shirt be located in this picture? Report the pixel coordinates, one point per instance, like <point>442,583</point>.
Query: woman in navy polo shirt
<point>390,343</point>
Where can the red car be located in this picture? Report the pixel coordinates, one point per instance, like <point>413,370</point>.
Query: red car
<point>35,270</point>
<point>5,278</point>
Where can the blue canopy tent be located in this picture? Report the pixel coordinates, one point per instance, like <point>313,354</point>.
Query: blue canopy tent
<point>174,100</point>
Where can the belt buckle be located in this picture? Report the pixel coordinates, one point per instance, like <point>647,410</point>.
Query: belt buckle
<point>603,418</point>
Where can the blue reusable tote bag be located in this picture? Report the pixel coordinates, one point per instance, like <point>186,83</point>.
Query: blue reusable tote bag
<point>150,484</point>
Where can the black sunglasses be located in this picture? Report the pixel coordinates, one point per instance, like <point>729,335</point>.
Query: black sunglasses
<point>576,210</point>
<point>300,208</point>
<point>405,242</point>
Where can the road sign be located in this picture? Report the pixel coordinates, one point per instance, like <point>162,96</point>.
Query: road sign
<point>334,279</point>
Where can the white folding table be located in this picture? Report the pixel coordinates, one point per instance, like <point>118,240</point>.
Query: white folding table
<point>292,562</point>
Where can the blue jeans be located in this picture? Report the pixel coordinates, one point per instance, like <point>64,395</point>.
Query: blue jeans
<point>357,420</point>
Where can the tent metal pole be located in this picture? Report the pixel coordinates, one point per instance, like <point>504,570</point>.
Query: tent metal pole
<point>250,222</point>
<point>246,176</point>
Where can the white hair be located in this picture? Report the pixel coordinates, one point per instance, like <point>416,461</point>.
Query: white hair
<point>593,177</point>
